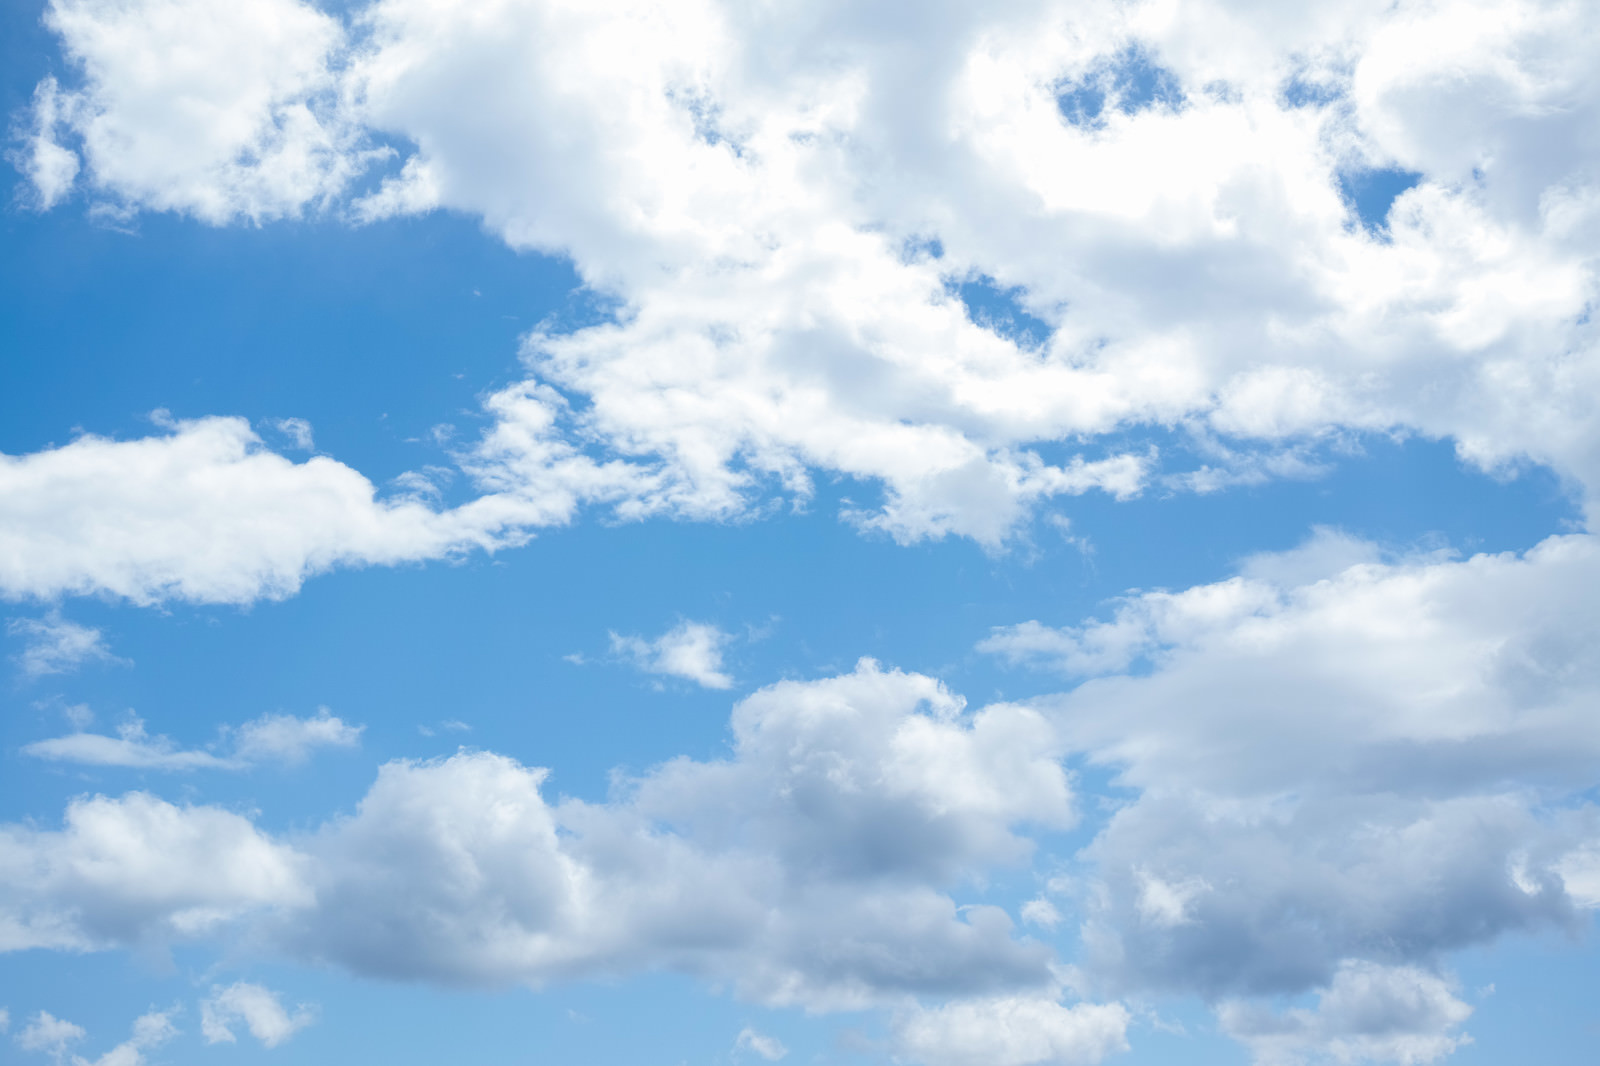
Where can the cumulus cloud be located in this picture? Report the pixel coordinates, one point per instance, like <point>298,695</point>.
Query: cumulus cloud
<point>690,650</point>
<point>1348,764</point>
<point>280,738</point>
<point>1368,1014</point>
<point>137,869</point>
<point>57,646</point>
<point>255,1006</point>
<point>793,218</point>
<point>816,865</point>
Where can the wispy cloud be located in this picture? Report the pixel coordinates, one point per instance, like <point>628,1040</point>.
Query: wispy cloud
<point>57,646</point>
<point>279,738</point>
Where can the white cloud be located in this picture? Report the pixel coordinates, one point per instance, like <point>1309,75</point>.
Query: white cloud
<point>205,513</point>
<point>137,869</point>
<point>1349,764</point>
<point>49,1034</point>
<point>1368,1014</point>
<point>57,646</point>
<point>765,212</point>
<point>280,738</point>
<point>813,866</point>
<point>690,650</point>
<point>1012,1031</point>
<point>285,738</point>
<point>52,1036</point>
<point>257,1007</point>
<point>768,1047</point>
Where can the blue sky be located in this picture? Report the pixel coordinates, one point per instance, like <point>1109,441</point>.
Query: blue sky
<point>667,533</point>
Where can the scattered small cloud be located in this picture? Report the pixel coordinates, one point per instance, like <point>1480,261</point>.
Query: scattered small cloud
<point>1041,912</point>
<point>285,738</point>
<point>449,725</point>
<point>279,738</point>
<point>257,1008</point>
<point>297,430</point>
<point>50,1035</point>
<point>768,1047</point>
<point>57,646</point>
<point>690,650</point>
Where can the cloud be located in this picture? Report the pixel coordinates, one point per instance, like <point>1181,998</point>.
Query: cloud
<point>1368,1014</point>
<point>285,738</point>
<point>56,646</point>
<point>768,1047</point>
<point>690,650</point>
<point>1013,1031</point>
<point>49,1034</point>
<point>136,869</point>
<point>813,866</point>
<point>280,738</point>
<point>792,234</point>
<point>204,513</point>
<point>257,1007</point>
<point>1347,764</point>
<point>53,1036</point>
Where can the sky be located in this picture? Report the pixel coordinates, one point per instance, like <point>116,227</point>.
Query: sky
<point>702,533</point>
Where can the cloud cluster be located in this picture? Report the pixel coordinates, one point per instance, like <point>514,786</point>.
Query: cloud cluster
<point>814,866</point>
<point>822,228</point>
<point>810,866</point>
<point>1347,766</point>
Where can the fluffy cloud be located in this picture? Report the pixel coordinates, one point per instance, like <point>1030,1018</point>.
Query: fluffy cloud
<point>257,1007</point>
<point>814,866</point>
<point>793,208</point>
<point>1369,1014</point>
<point>137,869</point>
<point>57,646</point>
<point>1348,764</point>
<point>205,513</point>
<point>280,738</point>
<point>690,650</point>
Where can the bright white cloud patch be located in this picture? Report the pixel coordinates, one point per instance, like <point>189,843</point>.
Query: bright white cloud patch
<point>1155,212</point>
<point>1013,1031</point>
<point>123,870</point>
<point>280,738</point>
<point>690,650</point>
<point>254,1006</point>
<point>57,646</point>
